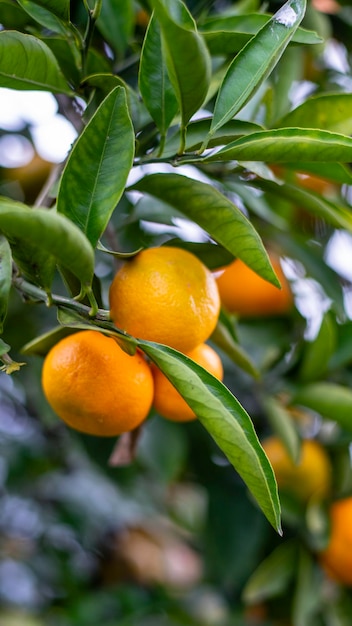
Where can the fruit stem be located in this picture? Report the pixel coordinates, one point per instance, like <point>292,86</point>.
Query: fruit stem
<point>93,15</point>
<point>35,294</point>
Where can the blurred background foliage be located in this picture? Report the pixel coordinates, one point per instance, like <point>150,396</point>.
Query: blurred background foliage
<point>174,537</point>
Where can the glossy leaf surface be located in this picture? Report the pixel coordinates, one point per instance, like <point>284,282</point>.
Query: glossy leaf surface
<point>28,63</point>
<point>209,208</point>
<point>225,420</point>
<point>44,16</point>
<point>154,83</point>
<point>228,34</point>
<point>53,235</point>
<point>327,112</point>
<point>61,8</point>
<point>187,57</point>
<point>287,144</point>
<point>255,61</point>
<point>97,169</point>
<point>198,129</point>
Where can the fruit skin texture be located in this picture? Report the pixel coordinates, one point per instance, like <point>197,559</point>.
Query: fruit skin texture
<point>310,478</point>
<point>95,387</point>
<point>243,292</point>
<point>167,401</point>
<point>336,559</point>
<point>165,295</point>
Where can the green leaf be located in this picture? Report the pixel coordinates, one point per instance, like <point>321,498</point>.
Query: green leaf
<point>72,319</point>
<point>33,260</point>
<point>334,214</point>
<point>67,55</point>
<point>5,278</point>
<point>226,421</point>
<point>60,8</point>
<point>115,23</point>
<point>104,83</point>
<point>330,400</point>
<point>209,208</point>
<point>257,203</point>
<point>225,339</point>
<point>287,73</point>
<point>198,129</point>
<point>331,111</point>
<point>308,595</point>
<point>256,60</point>
<point>211,255</point>
<point>317,353</point>
<point>227,34</point>
<point>28,63</point>
<point>287,144</point>
<point>52,235</point>
<point>98,166</point>
<point>281,423</point>
<point>273,575</point>
<point>186,55</point>
<point>154,83</point>
<point>40,346</point>
<point>44,16</point>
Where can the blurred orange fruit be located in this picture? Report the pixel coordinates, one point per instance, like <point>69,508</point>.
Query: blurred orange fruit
<point>165,295</point>
<point>336,559</point>
<point>95,387</point>
<point>244,292</point>
<point>31,177</point>
<point>310,478</point>
<point>315,183</point>
<point>167,400</point>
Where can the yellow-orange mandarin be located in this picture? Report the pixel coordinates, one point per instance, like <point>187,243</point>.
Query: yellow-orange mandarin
<point>95,387</point>
<point>166,295</point>
<point>167,400</point>
<point>244,292</point>
<point>336,559</point>
<point>310,478</point>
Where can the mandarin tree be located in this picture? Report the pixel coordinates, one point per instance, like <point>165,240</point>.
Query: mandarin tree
<point>189,258</point>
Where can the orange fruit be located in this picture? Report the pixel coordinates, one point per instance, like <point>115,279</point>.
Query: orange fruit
<point>315,183</point>
<point>31,176</point>
<point>167,400</point>
<point>244,292</point>
<point>309,478</point>
<point>95,387</point>
<point>336,559</point>
<point>165,295</point>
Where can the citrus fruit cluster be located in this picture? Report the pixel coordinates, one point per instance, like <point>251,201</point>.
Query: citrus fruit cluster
<point>164,295</point>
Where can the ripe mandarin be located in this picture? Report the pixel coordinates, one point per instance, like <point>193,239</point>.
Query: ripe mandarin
<point>309,478</point>
<point>336,559</point>
<point>95,387</point>
<point>243,292</point>
<point>167,400</point>
<point>165,295</point>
